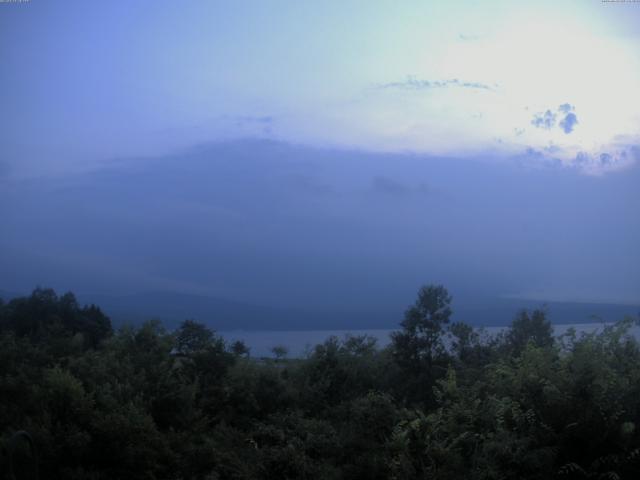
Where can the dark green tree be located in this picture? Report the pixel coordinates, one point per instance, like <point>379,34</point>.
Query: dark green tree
<point>193,337</point>
<point>420,340</point>
<point>529,328</point>
<point>44,315</point>
<point>240,349</point>
<point>419,345</point>
<point>280,352</point>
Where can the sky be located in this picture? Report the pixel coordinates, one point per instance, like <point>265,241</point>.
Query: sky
<point>321,153</point>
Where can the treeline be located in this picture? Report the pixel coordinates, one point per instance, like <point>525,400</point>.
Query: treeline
<point>442,401</point>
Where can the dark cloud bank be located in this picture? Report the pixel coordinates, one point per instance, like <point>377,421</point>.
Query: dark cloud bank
<point>259,234</point>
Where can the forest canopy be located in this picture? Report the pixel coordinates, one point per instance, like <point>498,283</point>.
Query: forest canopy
<point>442,401</point>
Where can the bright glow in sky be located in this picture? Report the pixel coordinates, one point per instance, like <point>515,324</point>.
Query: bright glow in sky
<point>84,81</point>
<point>492,142</point>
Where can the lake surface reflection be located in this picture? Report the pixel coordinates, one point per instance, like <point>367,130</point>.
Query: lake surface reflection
<point>300,342</point>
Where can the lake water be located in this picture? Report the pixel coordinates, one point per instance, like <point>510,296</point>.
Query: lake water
<point>299,342</point>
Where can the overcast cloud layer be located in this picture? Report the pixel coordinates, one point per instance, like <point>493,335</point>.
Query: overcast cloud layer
<point>271,223</point>
<point>340,153</point>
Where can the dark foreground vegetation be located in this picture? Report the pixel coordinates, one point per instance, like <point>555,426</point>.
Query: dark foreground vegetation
<point>441,402</point>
